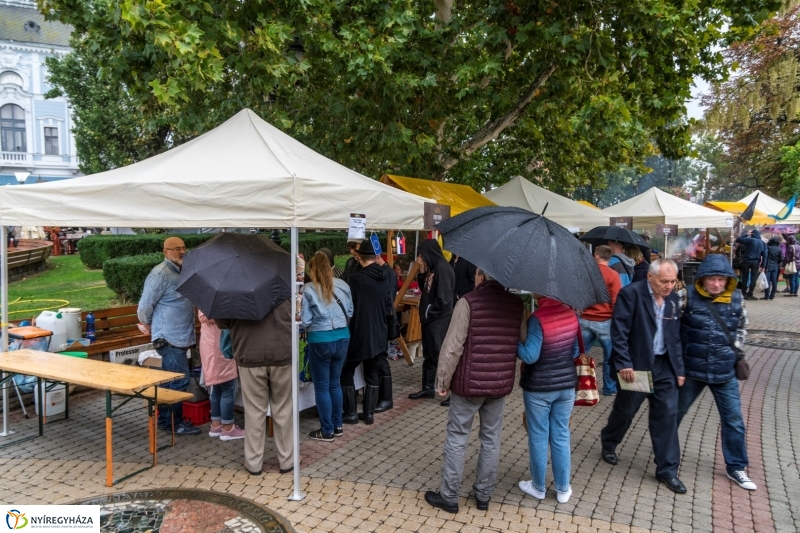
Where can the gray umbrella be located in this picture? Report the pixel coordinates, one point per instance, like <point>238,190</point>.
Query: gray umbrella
<point>236,276</point>
<point>523,250</point>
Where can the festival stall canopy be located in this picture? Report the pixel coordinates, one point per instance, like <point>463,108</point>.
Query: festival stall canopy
<point>771,206</point>
<point>588,204</point>
<point>460,198</point>
<point>737,208</point>
<point>244,173</point>
<point>520,192</point>
<point>655,206</point>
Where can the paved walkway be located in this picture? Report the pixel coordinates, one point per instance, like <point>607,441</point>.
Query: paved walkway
<point>374,478</point>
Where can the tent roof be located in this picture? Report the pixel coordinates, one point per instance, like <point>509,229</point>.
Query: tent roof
<point>655,206</point>
<point>588,204</point>
<point>460,198</point>
<point>519,192</point>
<point>771,206</point>
<point>737,208</point>
<point>244,173</point>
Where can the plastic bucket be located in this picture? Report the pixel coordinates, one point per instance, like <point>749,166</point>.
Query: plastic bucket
<point>73,317</point>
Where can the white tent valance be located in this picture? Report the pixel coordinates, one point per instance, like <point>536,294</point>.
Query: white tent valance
<point>655,206</point>
<point>244,173</point>
<point>520,192</point>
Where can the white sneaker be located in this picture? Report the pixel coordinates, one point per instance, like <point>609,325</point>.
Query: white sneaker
<point>527,488</point>
<point>563,497</point>
<point>741,479</point>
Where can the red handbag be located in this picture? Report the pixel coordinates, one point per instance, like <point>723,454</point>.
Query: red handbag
<point>586,394</point>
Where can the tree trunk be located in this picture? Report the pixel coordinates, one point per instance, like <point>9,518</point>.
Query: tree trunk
<point>492,129</point>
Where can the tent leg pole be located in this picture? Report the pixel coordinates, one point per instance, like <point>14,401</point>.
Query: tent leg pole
<point>296,495</point>
<point>4,305</point>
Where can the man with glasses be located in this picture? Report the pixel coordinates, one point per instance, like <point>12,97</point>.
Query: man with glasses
<point>645,336</point>
<point>168,318</point>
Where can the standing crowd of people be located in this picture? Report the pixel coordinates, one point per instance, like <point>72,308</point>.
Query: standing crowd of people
<point>474,333</point>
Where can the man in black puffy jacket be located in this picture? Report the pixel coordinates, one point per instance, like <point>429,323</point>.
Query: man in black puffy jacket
<point>437,283</point>
<point>713,331</point>
<point>754,258</point>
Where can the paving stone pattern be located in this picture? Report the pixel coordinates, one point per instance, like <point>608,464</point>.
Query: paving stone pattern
<point>375,477</point>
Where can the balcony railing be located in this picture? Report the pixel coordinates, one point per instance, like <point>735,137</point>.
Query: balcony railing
<point>26,159</point>
<point>16,158</point>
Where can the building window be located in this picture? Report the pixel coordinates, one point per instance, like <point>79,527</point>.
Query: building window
<point>12,128</point>
<point>11,78</point>
<point>51,141</point>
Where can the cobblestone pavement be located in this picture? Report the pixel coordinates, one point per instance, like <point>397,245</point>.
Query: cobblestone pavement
<point>375,477</point>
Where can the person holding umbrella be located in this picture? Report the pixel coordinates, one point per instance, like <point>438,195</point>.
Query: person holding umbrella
<point>372,306</point>
<point>437,281</point>
<point>326,311</point>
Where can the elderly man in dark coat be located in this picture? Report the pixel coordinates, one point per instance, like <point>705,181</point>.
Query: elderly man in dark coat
<point>372,305</point>
<point>645,336</point>
<point>713,331</point>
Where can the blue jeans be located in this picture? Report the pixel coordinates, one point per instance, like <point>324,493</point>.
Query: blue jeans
<point>173,359</point>
<point>726,396</point>
<point>600,331</point>
<point>326,360</point>
<point>222,398</point>
<point>772,277</point>
<point>791,282</point>
<point>548,415</point>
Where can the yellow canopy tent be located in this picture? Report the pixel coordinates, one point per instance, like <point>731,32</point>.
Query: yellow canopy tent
<point>737,208</point>
<point>587,204</point>
<point>460,198</point>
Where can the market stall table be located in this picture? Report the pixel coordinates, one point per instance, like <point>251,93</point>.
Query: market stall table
<point>125,380</point>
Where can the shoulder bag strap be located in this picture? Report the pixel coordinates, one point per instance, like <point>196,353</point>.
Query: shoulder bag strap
<point>715,314</point>
<point>338,301</point>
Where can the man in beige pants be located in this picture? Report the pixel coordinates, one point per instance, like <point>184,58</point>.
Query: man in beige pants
<point>263,353</point>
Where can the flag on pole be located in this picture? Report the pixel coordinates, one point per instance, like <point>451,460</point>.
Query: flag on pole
<point>784,213</point>
<point>748,213</point>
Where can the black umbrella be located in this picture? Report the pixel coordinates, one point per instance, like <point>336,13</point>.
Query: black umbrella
<point>603,234</point>
<point>236,276</point>
<point>523,250</point>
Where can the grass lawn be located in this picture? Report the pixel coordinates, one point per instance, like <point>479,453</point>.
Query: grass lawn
<point>65,283</point>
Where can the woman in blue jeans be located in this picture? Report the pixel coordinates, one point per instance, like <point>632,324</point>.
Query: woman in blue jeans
<point>548,384</point>
<point>326,309</point>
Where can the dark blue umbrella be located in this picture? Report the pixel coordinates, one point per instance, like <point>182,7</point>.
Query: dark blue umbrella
<point>236,276</point>
<point>523,250</point>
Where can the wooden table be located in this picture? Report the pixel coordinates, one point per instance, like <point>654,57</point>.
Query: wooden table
<point>125,380</point>
<point>405,301</point>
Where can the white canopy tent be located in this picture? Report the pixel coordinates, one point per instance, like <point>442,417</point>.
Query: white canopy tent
<point>655,206</point>
<point>771,206</point>
<point>520,192</point>
<point>244,173</point>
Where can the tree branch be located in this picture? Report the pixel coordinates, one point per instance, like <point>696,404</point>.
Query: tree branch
<point>491,130</point>
<point>444,11</point>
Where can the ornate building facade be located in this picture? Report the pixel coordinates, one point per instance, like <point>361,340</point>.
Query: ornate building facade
<point>36,142</point>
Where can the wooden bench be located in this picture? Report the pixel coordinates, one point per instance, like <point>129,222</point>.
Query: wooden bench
<point>117,328</point>
<point>165,397</point>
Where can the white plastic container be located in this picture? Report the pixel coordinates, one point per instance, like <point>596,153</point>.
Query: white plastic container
<point>56,323</point>
<point>54,400</point>
<point>73,317</point>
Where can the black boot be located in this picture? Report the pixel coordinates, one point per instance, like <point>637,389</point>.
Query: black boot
<point>370,401</point>
<point>349,405</point>
<point>426,392</point>
<point>385,395</point>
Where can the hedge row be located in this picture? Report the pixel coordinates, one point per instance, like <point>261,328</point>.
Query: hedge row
<point>125,275</point>
<point>96,249</point>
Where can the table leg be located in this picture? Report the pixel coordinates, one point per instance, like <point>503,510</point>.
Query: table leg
<point>404,348</point>
<point>109,452</point>
<point>66,401</point>
<point>153,429</point>
<point>270,430</point>
<point>40,392</point>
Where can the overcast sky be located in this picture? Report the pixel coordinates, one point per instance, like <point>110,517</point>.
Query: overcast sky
<point>693,109</point>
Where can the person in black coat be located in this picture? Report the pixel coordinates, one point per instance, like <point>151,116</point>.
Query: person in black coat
<point>385,401</point>
<point>464,272</point>
<point>645,336</point>
<point>372,305</point>
<point>774,260</point>
<point>437,283</point>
